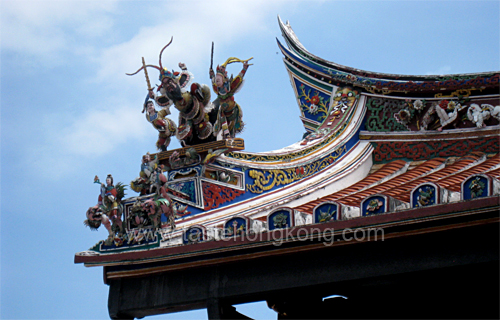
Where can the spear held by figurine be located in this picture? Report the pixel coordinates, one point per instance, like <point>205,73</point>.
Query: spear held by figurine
<point>147,81</point>
<point>228,61</point>
<point>212,57</point>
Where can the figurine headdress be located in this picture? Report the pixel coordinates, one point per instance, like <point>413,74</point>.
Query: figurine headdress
<point>222,69</point>
<point>110,177</point>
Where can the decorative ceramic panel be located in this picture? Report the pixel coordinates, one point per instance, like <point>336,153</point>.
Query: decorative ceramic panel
<point>138,239</point>
<point>476,186</point>
<point>188,191</point>
<point>216,195</point>
<point>194,234</point>
<point>374,205</point>
<point>423,150</point>
<point>280,219</point>
<point>314,104</point>
<point>231,178</point>
<point>188,172</point>
<point>236,226</point>
<point>326,212</point>
<point>425,194</point>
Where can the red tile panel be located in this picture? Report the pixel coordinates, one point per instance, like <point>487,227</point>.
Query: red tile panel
<point>403,192</point>
<point>453,182</point>
<point>400,187</point>
<point>385,171</point>
<point>396,182</point>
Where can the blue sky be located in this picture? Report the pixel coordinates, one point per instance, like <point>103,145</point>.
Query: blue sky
<point>69,112</point>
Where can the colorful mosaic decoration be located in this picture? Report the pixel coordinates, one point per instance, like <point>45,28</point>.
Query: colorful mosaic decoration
<point>288,156</point>
<point>389,115</point>
<point>344,98</point>
<point>264,180</point>
<point>374,84</point>
<point>373,205</point>
<point>235,226</point>
<point>134,240</point>
<point>422,150</point>
<point>280,219</point>
<point>424,195</point>
<point>326,212</point>
<point>450,83</point>
<point>215,195</point>
<point>477,186</point>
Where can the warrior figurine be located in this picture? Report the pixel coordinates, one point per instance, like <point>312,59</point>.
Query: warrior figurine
<point>142,183</point>
<point>166,127</point>
<point>196,113</point>
<point>108,201</point>
<point>194,107</point>
<point>108,210</point>
<point>229,117</point>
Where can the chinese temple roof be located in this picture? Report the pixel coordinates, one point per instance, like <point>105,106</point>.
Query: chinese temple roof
<point>378,148</point>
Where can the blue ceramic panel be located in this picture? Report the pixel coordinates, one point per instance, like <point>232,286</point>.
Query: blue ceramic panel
<point>373,205</point>
<point>235,226</point>
<point>424,195</point>
<point>326,212</point>
<point>475,187</point>
<point>193,235</point>
<point>314,104</point>
<point>280,219</point>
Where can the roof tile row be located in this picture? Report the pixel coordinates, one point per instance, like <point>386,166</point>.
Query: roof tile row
<point>386,180</point>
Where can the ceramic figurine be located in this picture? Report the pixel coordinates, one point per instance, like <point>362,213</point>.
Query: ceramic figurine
<point>191,158</point>
<point>196,113</point>
<point>229,118</point>
<point>165,126</point>
<point>142,183</point>
<point>108,210</point>
<point>161,203</point>
<point>447,112</point>
<point>478,114</point>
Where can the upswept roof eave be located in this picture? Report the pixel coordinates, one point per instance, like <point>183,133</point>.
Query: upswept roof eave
<point>296,46</point>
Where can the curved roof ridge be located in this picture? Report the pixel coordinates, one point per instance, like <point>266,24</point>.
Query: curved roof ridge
<point>293,43</point>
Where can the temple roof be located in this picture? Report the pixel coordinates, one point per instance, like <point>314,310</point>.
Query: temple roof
<point>333,73</point>
<point>378,148</point>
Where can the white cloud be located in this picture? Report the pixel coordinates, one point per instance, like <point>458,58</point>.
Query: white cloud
<point>44,28</point>
<point>87,136</point>
<point>100,132</point>
<point>193,32</point>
